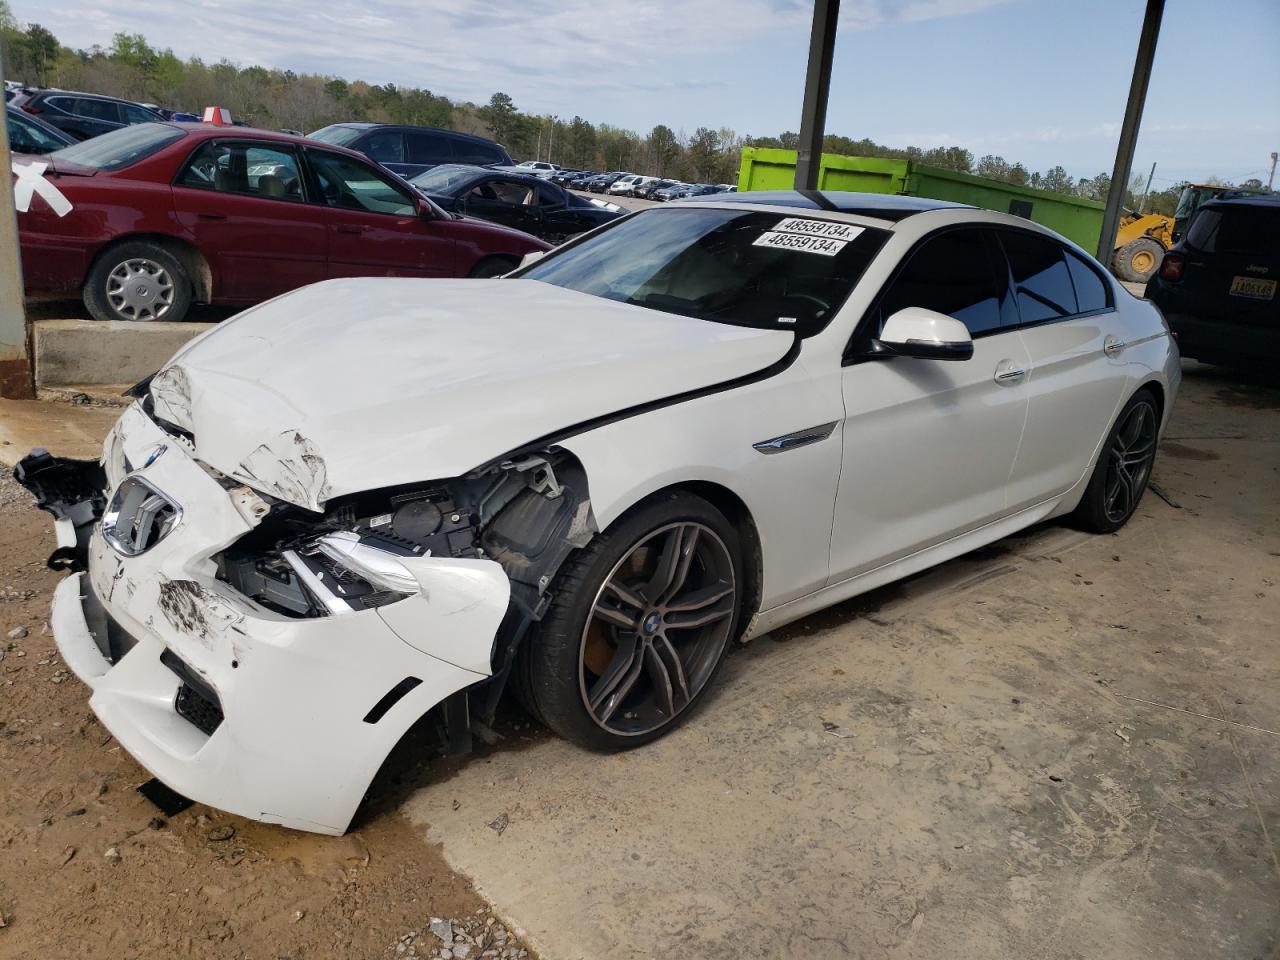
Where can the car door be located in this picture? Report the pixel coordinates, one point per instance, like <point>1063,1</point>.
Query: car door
<point>425,149</point>
<point>1077,374</point>
<point>97,116</point>
<point>243,203</point>
<point>928,444</point>
<point>510,201</point>
<point>387,146</point>
<point>559,220</point>
<point>374,225</point>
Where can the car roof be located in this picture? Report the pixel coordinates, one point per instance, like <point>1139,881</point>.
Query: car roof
<point>210,131</point>
<point>371,125</point>
<point>882,206</point>
<point>1254,200</point>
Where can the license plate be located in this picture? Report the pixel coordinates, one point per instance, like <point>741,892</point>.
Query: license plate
<point>1255,288</point>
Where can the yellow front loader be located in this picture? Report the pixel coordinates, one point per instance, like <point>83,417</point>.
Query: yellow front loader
<point>1141,243</point>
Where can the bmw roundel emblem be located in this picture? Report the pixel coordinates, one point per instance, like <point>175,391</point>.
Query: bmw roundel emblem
<point>155,454</point>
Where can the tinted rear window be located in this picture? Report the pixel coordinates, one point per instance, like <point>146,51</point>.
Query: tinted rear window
<point>120,148</point>
<point>1042,281</point>
<point>429,148</point>
<point>1236,230</point>
<point>1091,291</point>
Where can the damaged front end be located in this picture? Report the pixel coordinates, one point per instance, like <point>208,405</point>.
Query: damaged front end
<point>74,491</point>
<point>263,657</point>
<point>366,551</point>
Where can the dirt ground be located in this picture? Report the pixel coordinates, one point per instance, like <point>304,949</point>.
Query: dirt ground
<point>90,869</point>
<point>1061,746</point>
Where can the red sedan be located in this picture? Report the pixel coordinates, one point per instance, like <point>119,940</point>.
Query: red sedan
<point>145,220</point>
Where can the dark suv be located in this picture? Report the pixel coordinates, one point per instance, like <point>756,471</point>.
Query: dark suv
<point>82,115</point>
<point>1217,286</point>
<point>411,150</point>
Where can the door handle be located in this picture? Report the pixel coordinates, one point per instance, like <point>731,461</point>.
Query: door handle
<point>211,216</point>
<point>1007,372</point>
<point>344,228</point>
<point>1113,346</point>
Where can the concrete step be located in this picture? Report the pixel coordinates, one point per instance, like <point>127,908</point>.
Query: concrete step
<point>83,353</point>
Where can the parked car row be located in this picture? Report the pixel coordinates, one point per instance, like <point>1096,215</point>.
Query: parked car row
<point>622,184</point>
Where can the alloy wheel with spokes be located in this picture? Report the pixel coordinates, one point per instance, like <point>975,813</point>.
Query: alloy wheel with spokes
<point>1129,459</point>
<point>657,628</point>
<point>140,289</point>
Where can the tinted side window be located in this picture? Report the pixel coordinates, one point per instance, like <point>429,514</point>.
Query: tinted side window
<point>1091,291</point>
<point>429,148</point>
<point>134,114</point>
<point>952,273</point>
<point>477,153</point>
<point>1042,282</point>
<point>550,195</point>
<point>97,109</point>
<point>385,146</point>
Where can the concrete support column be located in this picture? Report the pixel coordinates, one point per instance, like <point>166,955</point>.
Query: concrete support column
<point>16,377</point>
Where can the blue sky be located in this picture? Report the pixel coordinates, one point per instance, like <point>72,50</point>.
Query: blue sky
<point>1037,81</point>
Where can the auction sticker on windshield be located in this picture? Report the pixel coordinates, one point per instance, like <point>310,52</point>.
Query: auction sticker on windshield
<point>794,241</point>
<point>818,228</point>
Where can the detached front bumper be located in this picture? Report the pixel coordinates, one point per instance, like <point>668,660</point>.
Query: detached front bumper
<point>276,718</point>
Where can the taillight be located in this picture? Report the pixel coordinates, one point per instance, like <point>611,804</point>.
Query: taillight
<point>1172,266</point>
<point>31,108</point>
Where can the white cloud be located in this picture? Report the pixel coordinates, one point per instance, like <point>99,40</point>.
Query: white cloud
<point>550,55</point>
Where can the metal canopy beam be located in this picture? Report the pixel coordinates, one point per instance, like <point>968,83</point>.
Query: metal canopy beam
<point>817,86</point>
<point>1129,130</point>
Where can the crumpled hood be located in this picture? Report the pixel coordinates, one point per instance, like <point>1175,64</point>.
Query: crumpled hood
<point>352,385</point>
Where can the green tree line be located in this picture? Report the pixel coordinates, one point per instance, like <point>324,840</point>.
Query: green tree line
<point>132,69</point>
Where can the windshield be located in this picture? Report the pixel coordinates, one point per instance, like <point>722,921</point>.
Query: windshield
<point>119,148</point>
<point>747,269</point>
<point>336,133</point>
<point>443,178</point>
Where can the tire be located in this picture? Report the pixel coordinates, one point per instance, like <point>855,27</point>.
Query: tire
<point>1138,260</point>
<point>137,281</point>
<point>1123,469</point>
<point>491,267</point>
<point>577,657</point>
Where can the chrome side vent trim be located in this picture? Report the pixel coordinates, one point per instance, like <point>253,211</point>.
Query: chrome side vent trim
<point>793,441</point>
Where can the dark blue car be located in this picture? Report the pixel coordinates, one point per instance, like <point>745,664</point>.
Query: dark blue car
<point>412,150</point>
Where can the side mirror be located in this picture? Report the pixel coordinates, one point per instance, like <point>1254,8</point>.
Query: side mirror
<point>426,209</point>
<point>532,257</point>
<point>917,332</point>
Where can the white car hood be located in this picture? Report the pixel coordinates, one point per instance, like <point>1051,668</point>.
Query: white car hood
<point>353,385</point>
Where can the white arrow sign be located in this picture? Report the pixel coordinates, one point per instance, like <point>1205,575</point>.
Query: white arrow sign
<point>30,182</point>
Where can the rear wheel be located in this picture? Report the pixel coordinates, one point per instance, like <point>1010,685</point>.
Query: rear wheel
<point>640,623</point>
<point>1123,469</point>
<point>138,280</point>
<point>491,267</point>
<point>1138,260</point>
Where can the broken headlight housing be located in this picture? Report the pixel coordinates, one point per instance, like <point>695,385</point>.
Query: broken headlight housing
<point>351,557</point>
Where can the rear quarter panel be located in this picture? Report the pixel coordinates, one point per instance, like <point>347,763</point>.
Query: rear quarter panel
<point>58,251</point>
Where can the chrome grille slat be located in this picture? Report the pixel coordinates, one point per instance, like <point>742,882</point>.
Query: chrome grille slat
<point>138,517</point>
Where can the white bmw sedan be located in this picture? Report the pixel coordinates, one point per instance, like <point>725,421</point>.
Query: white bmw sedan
<point>371,499</point>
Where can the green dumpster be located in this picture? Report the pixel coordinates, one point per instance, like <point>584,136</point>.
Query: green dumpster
<point>1073,217</point>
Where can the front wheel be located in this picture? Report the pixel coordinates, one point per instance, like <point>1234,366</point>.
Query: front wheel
<point>639,624</point>
<point>1123,469</point>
